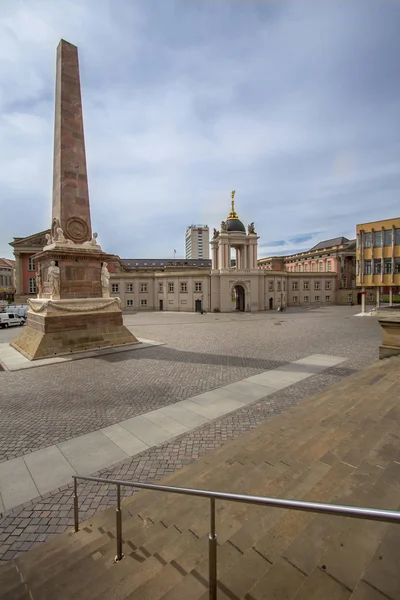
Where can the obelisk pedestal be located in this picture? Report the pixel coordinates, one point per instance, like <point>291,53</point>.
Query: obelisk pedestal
<point>73,311</point>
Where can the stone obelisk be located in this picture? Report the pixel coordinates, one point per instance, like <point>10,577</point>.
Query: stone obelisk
<point>73,311</point>
<point>71,208</point>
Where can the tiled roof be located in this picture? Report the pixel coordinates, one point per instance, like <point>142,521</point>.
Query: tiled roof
<point>339,241</point>
<point>7,263</point>
<point>166,262</point>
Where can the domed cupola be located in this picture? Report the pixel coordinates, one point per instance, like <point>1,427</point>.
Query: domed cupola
<point>233,223</point>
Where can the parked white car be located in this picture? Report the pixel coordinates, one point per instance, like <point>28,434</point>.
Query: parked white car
<point>10,319</point>
<point>19,310</point>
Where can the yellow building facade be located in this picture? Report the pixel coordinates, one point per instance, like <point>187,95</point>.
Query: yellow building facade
<point>378,258</point>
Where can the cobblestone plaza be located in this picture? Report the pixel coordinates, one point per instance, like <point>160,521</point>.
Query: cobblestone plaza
<point>48,405</point>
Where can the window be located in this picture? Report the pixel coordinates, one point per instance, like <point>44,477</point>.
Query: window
<point>368,240</point>
<point>270,286</point>
<point>129,302</point>
<point>327,298</point>
<point>295,299</point>
<point>371,297</point>
<point>32,285</point>
<point>143,288</point>
<point>306,267</point>
<point>295,285</point>
<point>316,298</point>
<point>129,287</point>
<point>171,288</point>
<point>160,288</point>
<point>284,286</point>
<point>314,267</point>
<point>321,266</point>
<point>1,279</point>
<point>198,286</point>
<point>183,287</point>
<point>397,236</point>
<point>317,285</point>
<point>387,237</point>
<point>349,297</point>
<point>115,287</point>
<point>387,266</point>
<point>306,299</point>
<point>377,239</point>
<point>367,267</point>
<point>278,284</point>
<point>306,285</point>
<point>329,265</point>
<point>143,302</point>
<point>397,265</point>
<point>377,267</point>
<point>327,285</point>
<point>31,264</point>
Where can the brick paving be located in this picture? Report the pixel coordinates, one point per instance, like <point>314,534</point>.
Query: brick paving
<point>201,354</point>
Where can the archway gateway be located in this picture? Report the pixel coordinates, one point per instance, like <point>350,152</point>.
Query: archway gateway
<point>240,296</point>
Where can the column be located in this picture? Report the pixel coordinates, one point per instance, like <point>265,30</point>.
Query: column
<point>390,296</point>
<point>214,258</point>
<point>363,294</point>
<point>393,258</point>
<point>220,251</point>
<point>382,259</point>
<point>19,286</point>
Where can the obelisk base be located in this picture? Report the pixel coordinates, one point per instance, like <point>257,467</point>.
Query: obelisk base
<point>60,327</point>
<point>390,337</point>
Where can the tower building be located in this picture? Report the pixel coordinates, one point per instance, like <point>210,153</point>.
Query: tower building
<point>197,240</point>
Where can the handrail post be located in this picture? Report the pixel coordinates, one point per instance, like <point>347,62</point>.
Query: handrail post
<point>118,514</point>
<point>212,553</point>
<point>76,508</point>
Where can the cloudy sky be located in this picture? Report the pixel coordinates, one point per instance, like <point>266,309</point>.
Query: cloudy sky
<point>295,104</point>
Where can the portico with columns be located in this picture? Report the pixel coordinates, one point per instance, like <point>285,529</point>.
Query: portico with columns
<point>238,286</point>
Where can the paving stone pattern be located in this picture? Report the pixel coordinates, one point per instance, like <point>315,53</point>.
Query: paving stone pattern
<point>250,340</point>
<point>48,405</point>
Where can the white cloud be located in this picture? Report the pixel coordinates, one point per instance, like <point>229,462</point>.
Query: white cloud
<point>285,102</point>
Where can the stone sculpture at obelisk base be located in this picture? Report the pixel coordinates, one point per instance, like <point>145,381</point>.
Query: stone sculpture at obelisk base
<point>73,311</point>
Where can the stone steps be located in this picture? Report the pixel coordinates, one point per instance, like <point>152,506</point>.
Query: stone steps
<point>340,446</point>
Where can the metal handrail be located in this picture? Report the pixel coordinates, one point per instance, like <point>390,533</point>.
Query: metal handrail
<point>355,512</point>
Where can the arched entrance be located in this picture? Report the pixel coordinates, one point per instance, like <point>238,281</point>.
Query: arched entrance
<point>240,296</point>
<point>271,303</point>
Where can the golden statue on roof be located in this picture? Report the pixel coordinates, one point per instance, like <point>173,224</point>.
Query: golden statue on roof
<point>233,214</point>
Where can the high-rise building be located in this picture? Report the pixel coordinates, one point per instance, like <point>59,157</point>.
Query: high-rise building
<point>197,240</point>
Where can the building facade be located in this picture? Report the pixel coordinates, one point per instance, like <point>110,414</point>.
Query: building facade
<point>197,242</point>
<point>234,279</point>
<point>7,279</point>
<point>25,265</point>
<point>336,256</point>
<point>378,259</point>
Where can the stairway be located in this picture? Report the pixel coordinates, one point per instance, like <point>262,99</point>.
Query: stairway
<point>340,446</point>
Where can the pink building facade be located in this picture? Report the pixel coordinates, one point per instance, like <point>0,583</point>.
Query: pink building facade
<point>337,255</point>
